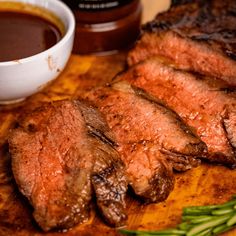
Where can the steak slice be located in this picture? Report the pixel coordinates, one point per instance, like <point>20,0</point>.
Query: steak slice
<point>204,103</point>
<point>199,36</point>
<point>151,138</point>
<point>61,152</point>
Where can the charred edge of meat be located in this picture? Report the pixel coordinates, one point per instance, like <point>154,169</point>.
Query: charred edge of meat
<point>156,26</point>
<point>175,19</point>
<point>152,194</point>
<point>172,19</point>
<point>231,54</point>
<point>159,193</point>
<point>181,162</point>
<point>226,35</point>
<point>115,214</point>
<point>202,37</point>
<point>110,179</point>
<point>227,136</point>
<point>232,12</point>
<point>190,130</point>
<point>182,2</point>
<point>142,93</point>
<point>229,90</point>
<point>101,136</point>
<point>217,160</point>
<point>205,13</point>
<point>110,201</point>
<point>233,165</point>
<point>101,130</point>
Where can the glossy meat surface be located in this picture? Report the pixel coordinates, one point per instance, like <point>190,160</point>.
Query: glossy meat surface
<point>206,104</point>
<point>199,36</point>
<point>60,154</point>
<point>151,138</point>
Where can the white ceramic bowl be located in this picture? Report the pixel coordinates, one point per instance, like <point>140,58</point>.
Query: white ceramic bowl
<point>22,78</point>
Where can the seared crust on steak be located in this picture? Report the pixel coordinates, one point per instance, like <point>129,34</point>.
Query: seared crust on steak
<point>150,136</point>
<point>199,36</point>
<point>204,103</point>
<point>58,154</point>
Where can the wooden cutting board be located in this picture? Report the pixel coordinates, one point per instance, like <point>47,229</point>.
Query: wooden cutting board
<point>206,184</point>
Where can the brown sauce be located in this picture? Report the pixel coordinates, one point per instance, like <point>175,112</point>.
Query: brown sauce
<point>23,35</point>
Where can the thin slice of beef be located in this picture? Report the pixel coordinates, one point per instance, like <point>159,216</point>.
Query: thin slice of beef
<point>204,103</point>
<point>61,153</point>
<point>108,176</point>
<point>151,138</point>
<point>199,36</point>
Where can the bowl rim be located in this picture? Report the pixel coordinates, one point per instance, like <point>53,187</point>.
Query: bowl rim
<point>63,40</point>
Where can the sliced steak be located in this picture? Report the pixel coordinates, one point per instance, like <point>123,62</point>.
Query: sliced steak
<point>199,36</point>
<point>60,154</point>
<point>150,138</point>
<point>204,103</point>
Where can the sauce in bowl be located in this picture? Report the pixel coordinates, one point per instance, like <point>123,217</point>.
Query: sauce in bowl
<point>23,34</point>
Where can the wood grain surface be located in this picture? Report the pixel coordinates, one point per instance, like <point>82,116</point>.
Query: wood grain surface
<point>206,184</point>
